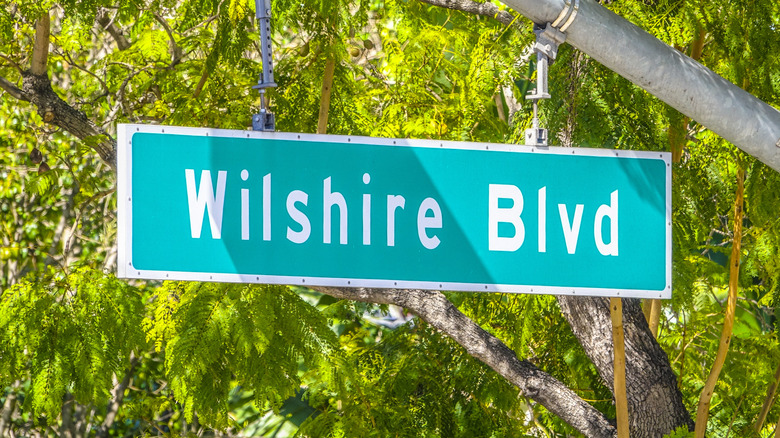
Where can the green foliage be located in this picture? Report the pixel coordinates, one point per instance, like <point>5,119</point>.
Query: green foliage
<point>217,336</point>
<point>68,333</point>
<point>410,381</point>
<point>259,360</point>
<point>680,432</point>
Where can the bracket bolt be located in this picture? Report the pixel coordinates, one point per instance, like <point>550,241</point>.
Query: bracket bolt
<point>778,143</point>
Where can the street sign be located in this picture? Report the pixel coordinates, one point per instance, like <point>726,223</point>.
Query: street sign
<point>267,207</point>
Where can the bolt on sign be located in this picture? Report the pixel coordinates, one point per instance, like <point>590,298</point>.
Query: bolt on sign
<point>267,207</point>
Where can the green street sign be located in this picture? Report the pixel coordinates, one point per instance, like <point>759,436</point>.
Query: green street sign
<point>259,207</point>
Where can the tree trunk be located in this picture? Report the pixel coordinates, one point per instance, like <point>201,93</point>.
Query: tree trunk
<point>8,409</point>
<point>67,429</point>
<point>655,405</point>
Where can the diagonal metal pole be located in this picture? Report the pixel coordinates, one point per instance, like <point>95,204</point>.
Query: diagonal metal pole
<point>663,71</point>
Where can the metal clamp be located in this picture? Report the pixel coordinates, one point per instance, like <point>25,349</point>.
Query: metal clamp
<point>548,39</point>
<point>546,47</point>
<point>264,121</point>
<point>568,14</point>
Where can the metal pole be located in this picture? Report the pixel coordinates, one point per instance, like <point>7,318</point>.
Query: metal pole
<point>663,71</point>
<point>265,121</point>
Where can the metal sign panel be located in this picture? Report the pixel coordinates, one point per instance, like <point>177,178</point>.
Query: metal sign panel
<point>265,207</point>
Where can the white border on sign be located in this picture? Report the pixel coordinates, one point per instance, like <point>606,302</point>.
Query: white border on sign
<point>125,267</point>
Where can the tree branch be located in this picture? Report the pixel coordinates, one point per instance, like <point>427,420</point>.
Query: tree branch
<point>703,410</point>
<point>13,90</point>
<point>486,9</point>
<point>40,56</point>
<point>327,88</point>
<point>118,396</point>
<point>768,401</point>
<point>175,49</point>
<point>116,33</point>
<point>434,308</point>
<point>57,112</point>
<point>12,62</point>
<point>72,62</point>
<point>201,83</point>
<point>36,89</point>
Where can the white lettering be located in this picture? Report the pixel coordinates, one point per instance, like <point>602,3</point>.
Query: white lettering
<point>366,212</point>
<point>205,199</point>
<point>298,216</point>
<point>424,222</point>
<point>543,219</point>
<point>610,211</point>
<point>393,202</point>
<point>571,232</point>
<point>267,207</point>
<point>510,215</point>
<point>244,208</point>
<point>329,200</point>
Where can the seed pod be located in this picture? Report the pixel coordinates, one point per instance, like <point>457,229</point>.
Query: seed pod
<point>43,168</point>
<point>36,156</point>
<point>368,44</point>
<point>354,51</point>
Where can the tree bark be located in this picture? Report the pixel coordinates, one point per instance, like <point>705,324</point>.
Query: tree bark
<point>54,110</point>
<point>655,405</point>
<point>434,308</point>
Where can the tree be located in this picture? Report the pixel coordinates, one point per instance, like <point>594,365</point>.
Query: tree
<point>86,352</point>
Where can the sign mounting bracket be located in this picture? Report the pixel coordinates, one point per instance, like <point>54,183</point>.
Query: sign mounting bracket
<point>548,39</point>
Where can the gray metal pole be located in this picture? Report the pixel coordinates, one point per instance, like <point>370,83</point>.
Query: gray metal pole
<point>663,71</point>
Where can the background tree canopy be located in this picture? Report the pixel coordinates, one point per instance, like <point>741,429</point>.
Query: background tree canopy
<point>85,354</point>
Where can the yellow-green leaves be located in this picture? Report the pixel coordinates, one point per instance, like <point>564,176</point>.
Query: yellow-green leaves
<point>217,336</point>
<point>238,10</point>
<point>70,333</point>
